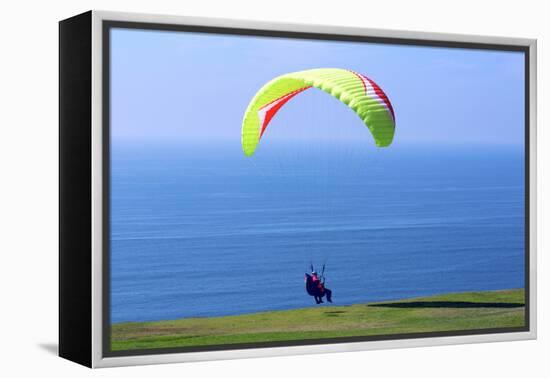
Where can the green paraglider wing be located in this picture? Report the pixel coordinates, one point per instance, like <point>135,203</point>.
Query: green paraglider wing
<point>355,90</point>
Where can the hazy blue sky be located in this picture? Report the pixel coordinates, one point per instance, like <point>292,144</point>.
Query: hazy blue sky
<point>178,86</point>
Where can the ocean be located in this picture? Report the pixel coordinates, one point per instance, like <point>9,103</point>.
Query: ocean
<point>198,229</point>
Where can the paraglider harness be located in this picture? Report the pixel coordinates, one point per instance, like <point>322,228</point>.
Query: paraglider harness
<point>315,285</point>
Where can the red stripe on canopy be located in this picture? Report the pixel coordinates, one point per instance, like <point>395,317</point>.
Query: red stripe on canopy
<point>380,93</point>
<point>273,107</point>
<point>377,90</point>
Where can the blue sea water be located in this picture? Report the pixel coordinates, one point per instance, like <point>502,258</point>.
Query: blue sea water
<point>201,230</point>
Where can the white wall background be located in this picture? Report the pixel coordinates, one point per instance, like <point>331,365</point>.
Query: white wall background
<point>28,207</point>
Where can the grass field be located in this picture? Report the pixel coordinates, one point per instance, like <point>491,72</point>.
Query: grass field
<point>451,312</point>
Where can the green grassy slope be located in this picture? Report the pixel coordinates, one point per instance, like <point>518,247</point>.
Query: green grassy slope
<point>451,312</point>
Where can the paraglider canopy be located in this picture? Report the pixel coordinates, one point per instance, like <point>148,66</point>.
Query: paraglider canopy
<point>355,90</point>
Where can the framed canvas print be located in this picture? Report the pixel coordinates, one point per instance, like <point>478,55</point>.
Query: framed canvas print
<point>235,189</point>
